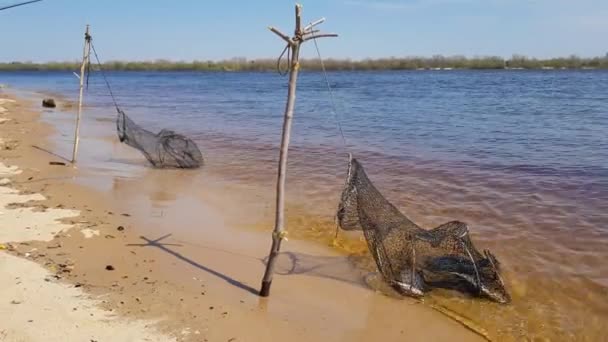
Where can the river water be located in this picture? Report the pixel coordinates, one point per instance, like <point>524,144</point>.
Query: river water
<point>521,156</point>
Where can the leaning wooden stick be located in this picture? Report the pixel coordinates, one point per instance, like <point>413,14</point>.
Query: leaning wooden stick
<point>294,43</point>
<point>85,60</point>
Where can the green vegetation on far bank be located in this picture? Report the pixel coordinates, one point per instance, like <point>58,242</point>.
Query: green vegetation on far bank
<point>406,63</point>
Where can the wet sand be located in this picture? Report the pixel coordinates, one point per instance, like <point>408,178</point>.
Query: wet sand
<point>186,249</point>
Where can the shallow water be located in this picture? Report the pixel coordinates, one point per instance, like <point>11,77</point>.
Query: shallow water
<point>521,156</point>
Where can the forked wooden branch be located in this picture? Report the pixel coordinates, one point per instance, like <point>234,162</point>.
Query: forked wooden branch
<point>320,35</point>
<point>313,24</point>
<point>282,35</point>
<point>298,19</point>
<point>311,32</point>
<point>294,43</point>
<point>302,35</point>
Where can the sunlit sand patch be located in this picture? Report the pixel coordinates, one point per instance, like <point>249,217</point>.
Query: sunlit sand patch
<point>23,223</point>
<point>43,310</point>
<point>8,144</point>
<point>89,233</point>
<point>26,224</point>
<point>32,297</point>
<point>4,101</point>
<point>6,171</point>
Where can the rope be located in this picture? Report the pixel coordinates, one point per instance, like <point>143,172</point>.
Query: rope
<point>105,79</point>
<point>331,93</point>
<point>288,50</point>
<point>336,116</point>
<point>464,321</point>
<point>19,4</point>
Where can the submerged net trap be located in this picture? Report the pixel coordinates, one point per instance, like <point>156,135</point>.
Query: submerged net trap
<point>412,259</point>
<point>166,149</point>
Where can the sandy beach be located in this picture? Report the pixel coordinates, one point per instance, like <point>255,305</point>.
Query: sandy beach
<point>91,256</point>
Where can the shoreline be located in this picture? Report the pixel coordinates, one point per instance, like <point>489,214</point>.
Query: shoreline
<point>188,283</point>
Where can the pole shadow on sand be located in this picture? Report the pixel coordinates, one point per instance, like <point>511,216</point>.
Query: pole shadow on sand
<point>338,268</point>
<point>51,153</point>
<point>355,270</point>
<point>163,247</point>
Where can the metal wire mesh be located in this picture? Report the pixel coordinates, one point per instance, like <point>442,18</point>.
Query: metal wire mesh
<point>412,260</point>
<point>166,149</point>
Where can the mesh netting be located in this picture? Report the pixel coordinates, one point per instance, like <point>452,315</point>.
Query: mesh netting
<point>412,260</point>
<point>166,149</point>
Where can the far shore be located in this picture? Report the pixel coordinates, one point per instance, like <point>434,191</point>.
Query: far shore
<point>331,64</point>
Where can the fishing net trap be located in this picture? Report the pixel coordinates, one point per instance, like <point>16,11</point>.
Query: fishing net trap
<point>411,259</point>
<point>165,149</point>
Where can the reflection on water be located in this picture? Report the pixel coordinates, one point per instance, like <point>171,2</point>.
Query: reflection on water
<point>160,187</point>
<point>520,156</point>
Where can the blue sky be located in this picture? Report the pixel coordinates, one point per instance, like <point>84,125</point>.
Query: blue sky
<point>189,29</point>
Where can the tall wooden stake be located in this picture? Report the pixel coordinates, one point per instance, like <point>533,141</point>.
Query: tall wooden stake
<point>301,35</point>
<point>85,60</point>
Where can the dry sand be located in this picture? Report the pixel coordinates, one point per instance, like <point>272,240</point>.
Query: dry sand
<point>34,306</point>
<point>85,264</point>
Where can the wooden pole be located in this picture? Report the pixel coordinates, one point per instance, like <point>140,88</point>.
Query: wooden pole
<point>294,43</point>
<point>85,60</point>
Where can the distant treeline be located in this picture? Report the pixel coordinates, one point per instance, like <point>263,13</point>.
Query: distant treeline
<point>406,63</point>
